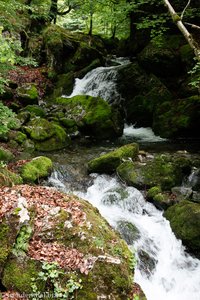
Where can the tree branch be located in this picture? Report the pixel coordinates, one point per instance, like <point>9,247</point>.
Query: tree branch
<point>192,25</point>
<point>183,29</point>
<point>62,13</point>
<point>185,9</point>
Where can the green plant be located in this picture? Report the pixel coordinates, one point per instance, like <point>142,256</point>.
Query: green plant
<point>51,275</point>
<point>195,73</point>
<point>8,119</point>
<point>21,244</point>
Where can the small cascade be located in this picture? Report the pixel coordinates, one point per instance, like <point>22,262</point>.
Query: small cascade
<point>100,82</point>
<point>142,134</point>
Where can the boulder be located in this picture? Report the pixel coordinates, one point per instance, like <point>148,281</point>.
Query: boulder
<point>142,93</point>
<point>59,243</point>
<point>178,118</point>
<point>47,136</point>
<point>27,94</point>
<point>38,168</point>
<point>5,154</point>
<point>108,163</point>
<point>93,116</point>
<point>185,222</point>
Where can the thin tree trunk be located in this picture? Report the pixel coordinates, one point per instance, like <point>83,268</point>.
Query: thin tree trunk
<point>183,29</point>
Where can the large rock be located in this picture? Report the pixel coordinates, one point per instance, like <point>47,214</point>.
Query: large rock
<point>163,170</point>
<point>93,116</point>
<point>62,235</point>
<point>108,163</point>
<point>178,118</point>
<point>38,168</point>
<point>142,93</point>
<point>47,136</point>
<point>185,222</point>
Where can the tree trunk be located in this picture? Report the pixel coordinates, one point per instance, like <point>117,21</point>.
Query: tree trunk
<point>91,25</point>
<point>53,11</point>
<point>183,29</point>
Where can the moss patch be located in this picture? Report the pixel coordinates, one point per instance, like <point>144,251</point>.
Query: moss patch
<point>108,163</point>
<point>36,169</point>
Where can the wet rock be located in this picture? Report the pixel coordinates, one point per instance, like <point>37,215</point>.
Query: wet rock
<point>185,222</point>
<point>108,163</point>
<point>128,231</point>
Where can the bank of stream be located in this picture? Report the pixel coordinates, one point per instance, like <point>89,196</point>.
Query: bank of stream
<point>164,269</point>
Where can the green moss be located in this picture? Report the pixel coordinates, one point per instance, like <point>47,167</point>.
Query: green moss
<point>108,163</point>
<point>93,116</point>
<point>152,192</point>
<point>5,155</point>
<point>185,222</point>
<point>58,141</point>
<point>39,129</point>
<point>36,169</point>
<point>18,274</point>
<point>34,110</point>
<point>8,178</point>
<point>8,233</point>
<point>127,172</point>
<point>28,93</point>
<point>161,172</point>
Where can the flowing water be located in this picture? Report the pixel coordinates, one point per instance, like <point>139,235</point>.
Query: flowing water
<point>164,270</point>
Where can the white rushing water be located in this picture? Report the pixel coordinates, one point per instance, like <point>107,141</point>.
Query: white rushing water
<point>100,82</point>
<point>142,134</point>
<point>175,275</point>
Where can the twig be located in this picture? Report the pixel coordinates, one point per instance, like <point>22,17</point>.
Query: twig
<point>185,9</point>
<point>192,25</point>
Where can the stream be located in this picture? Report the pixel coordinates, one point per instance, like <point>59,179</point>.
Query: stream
<point>164,270</point>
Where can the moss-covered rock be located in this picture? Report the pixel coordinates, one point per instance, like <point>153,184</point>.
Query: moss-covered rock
<point>38,168</point>
<point>93,116</point>
<point>69,237</point>
<point>5,154</point>
<point>19,273</point>
<point>34,110</point>
<point>142,93</point>
<point>185,222</point>
<point>178,118</point>
<point>130,173</point>
<point>47,136</point>
<point>162,60</point>
<point>108,163</point>
<point>8,234</point>
<point>163,171</point>
<point>28,94</point>
<point>17,136</point>
<point>8,178</point>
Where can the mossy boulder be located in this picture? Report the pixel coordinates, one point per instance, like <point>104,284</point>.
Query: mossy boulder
<point>164,171</point>
<point>94,116</point>
<point>59,43</point>
<point>8,234</point>
<point>108,163</point>
<point>68,234</point>
<point>47,136</point>
<point>130,173</point>
<point>142,93</point>
<point>38,168</point>
<point>164,59</point>
<point>28,94</point>
<point>185,222</point>
<point>17,136</point>
<point>180,118</point>
<point>8,178</point>
<point>5,154</point>
<point>34,110</point>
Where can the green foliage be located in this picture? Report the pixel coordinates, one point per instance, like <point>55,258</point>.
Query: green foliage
<point>21,244</point>
<point>195,75</point>
<point>8,119</point>
<point>51,275</point>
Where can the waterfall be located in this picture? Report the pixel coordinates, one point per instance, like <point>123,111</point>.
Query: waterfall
<point>100,82</point>
<point>168,273</point>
